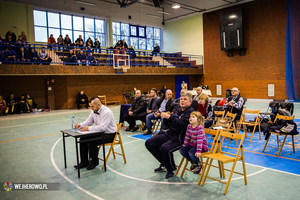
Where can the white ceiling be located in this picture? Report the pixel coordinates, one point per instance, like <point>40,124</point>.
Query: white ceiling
<point>137,8</point>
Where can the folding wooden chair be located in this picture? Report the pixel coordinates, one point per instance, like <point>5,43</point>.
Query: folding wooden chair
<point>280,146</point>
<point>218,114</point>
<point>155,126</point>
<point>102,99</point>
<point>117,141</point>
<point>230,117</point>
<point>226,156</point>
<point>243,123</point>
<point>211,132</point>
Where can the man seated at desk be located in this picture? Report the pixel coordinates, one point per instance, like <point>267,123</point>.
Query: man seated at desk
<point>104,119</point>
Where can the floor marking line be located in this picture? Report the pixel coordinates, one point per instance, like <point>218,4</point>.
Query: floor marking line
<point>65,177</point>
<point>264,154</point>
<point>27,124</point>
<point>29,138</point>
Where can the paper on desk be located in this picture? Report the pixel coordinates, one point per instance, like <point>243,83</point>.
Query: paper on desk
<point>86,132</point>
<point>218,127</point>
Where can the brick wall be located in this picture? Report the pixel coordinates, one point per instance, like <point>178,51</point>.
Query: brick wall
<point>264,36</point>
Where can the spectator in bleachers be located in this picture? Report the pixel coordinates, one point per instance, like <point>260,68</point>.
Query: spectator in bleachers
<point>22,104</point>
<point>82,99</point>
<point>89,40</point>
<point>33,56</point>
<point>81,58</point>
<point>22,56</point>
<point>30,103</point>
<point>3,108</point>
<point>60,41</point>
<point>24,38</point>
<point>97,45</point>
<point>137,107</point>
<point>72,59</point>
<point>9,40</point>
<point>12,104</point>
<point>156,49</point>
<point>10,55</point>
<point>118,45</point>
<point>44,58</point>
<point>89,46</point>
<point>124,44</point>
<point>91,60</point>
<point>78,40</point>
<point>67,41</point>
<point>131,52</point>
<point>206,110</point>
<point>51,41</point>
<point>13,36</point>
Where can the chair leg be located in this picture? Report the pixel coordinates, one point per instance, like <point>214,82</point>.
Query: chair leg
<point>203,170</point>
<point>180,164</point>
<point>281,145</point>
<point>266,143</point>
<point>184,167</point>
<point>229,178</point>
<point>293,143</point>
<point>252,133</point>
<point>244,166</point>
<point>259,129</point>
<point>122,149</point>
<point>206,173</point>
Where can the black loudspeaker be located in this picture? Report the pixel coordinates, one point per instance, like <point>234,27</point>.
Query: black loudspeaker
<point>156,3</point>
<point>129,17</point>
<point>163,23</point>
<point>231,28</point>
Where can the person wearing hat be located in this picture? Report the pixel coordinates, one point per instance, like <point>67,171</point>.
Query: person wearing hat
<point>235,103</point>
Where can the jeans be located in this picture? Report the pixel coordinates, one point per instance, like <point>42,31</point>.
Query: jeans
<point>149,119</point>
<point>189,153</point>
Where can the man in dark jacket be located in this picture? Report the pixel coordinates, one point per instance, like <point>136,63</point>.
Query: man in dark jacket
<point>82,99</point>
<point>164,105</point>
<point>138,106</point>
<point>162,146</point>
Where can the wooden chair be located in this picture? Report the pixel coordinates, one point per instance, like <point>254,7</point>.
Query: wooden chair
<point>212,132</point>
<point>117,141</point>
<point>243,123</point>
<point>280,146</point>
<point>226,156</point>
<point>156,126</point>
<point>230,117</point>
<point>218,114</point>
<point>102,99</point>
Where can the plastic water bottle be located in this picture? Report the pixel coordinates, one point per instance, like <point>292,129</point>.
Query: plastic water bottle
<point>73,123</point>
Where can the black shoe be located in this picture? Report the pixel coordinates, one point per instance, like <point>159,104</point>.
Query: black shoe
<point>135,128</point>
<point>148,132</point>
<point>160,169</point>
<point>81,165</point>
<point>127,129</point>
<point>144,128</point>
<point>91,166</point>
<point>169,175</point>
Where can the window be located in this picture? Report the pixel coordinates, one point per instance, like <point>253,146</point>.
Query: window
<point>139,37</point>
<point>46,23</point>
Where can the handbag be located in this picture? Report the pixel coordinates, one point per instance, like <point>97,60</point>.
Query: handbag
<point>222,122</point>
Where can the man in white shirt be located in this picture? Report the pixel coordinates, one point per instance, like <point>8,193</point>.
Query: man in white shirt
<point>104,120</point>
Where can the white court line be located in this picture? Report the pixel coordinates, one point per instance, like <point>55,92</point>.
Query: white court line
<point>28,124</point>
<point>65,177</point>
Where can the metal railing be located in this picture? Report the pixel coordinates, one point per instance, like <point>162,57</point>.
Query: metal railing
<point>24,53</point>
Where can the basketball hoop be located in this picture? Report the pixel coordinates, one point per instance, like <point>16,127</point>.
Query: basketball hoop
<point>121,61</point>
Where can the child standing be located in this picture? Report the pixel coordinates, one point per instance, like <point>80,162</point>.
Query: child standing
<point>194,142</point>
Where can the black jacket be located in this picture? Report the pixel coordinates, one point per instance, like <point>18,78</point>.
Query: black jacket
<point>138,105</point>
<point>169,106</point>
<point>178,122</point>
<point>79,97</point>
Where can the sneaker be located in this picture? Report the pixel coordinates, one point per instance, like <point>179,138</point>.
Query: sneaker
<point>193,166</point>
<point>160,169</point>
<point>198,169</point>
<point>169,175</point>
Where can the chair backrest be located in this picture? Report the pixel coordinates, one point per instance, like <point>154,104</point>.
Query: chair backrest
<point>102,99</point>
<point>278,116</point>
<point>214,133</point>
<point>246,112</point>
<point>230,117</point>
<point>219,113</point>
<point>232,151</point>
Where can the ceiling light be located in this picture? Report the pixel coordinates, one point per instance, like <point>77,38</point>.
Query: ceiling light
<point>175,6</point>
<point>155,16</point>
<point>86,3</point>
<point>166,13</point>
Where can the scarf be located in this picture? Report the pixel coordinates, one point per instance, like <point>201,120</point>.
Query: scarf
<point>202,109</point>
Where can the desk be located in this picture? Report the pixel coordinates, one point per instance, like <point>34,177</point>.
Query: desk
<point>76,135</point>
<point>123,111</point>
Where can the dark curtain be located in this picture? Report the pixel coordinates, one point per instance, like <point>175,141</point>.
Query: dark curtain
<point>292,86</point>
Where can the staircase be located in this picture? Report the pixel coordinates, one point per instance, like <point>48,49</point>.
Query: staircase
<point>163,62</point>
<point>54,56</point>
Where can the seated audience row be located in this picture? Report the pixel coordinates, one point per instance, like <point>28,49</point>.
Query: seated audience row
<point>13,105</point>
